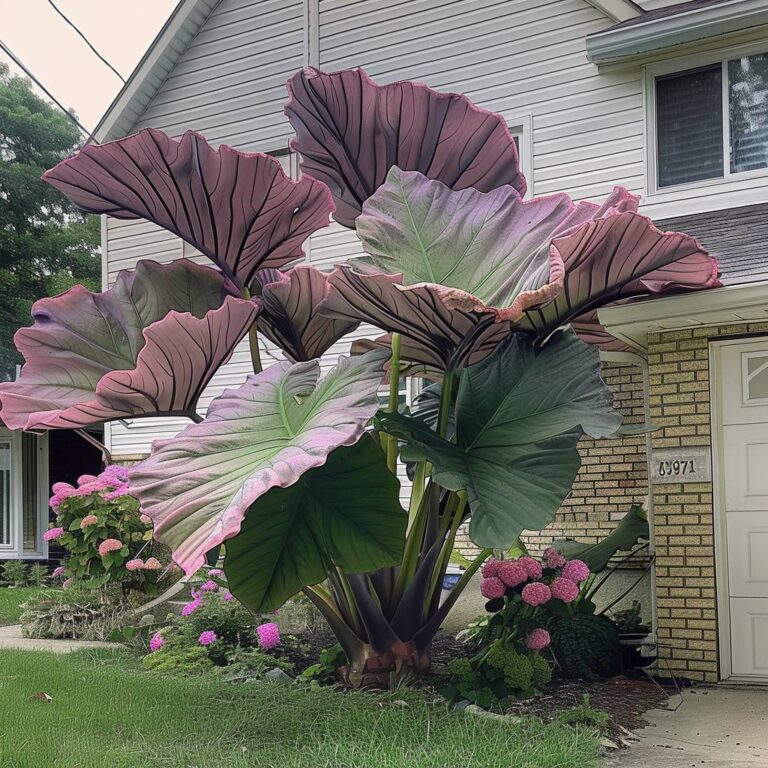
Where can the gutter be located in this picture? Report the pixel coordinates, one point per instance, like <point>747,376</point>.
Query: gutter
<point>659,32</point>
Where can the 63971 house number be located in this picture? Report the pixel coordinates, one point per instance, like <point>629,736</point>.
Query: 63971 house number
<point>681,465</point>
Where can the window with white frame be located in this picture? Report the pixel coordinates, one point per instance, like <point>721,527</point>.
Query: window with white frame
<point>711,121</point>
<point>23,494</point>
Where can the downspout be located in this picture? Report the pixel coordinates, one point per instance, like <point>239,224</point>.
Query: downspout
<point>633,358</point>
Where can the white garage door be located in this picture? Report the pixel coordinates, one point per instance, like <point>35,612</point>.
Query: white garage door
<point>743,454</point>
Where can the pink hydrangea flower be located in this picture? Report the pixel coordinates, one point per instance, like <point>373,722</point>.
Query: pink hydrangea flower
<point>53,534</point>
<point>62,488</point>
<point>553,559</point>
<point>190,608</point>
<point>575,570</point>
<point>532,566</point>
<point>207,638</point>
<point>58,572</point>
<point>228,596</point>
<point>145,519</point>
<point>109,545</point>
<point>68,583</point>
<point>564,589</point>
<point>537,639</point>
<point>491,568</point>
<point>512,573</point>
<point>136,564</point>
<point>216,572</point>
<point>88,520</point>
<point>269,635</point>
<point>492,588</point>
<point>156,643</point>
<point>153,564</point>
<point>209,586</point>
<point>115,474</point>
<point>536,593</point>
<point>85,479</point>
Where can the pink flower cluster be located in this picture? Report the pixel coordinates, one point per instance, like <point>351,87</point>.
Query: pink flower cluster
<point>88,520</point>
<point>111,484</point>
<point>269,635</point>
<point>53,534</point>
<point>538,639</point>
<point>156,642</point>
<point>499,576</point>
<point>207,638</point>
<point>109,545</point>
<point>58,572</point>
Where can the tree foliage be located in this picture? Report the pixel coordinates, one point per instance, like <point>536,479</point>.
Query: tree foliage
<point>47,244</point>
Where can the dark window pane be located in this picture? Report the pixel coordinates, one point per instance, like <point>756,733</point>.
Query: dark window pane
<point>748,89</point>
<point>689,126</point>
<point>29,492</point>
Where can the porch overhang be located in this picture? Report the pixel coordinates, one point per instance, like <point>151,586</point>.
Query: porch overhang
<point>676,25</point>
<point>632,322</point>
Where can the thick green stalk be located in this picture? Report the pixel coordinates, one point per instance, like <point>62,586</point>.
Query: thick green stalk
<point>394,397</point>
<point>413,542</point>
<point>253,341</point>
<point>446,395</point>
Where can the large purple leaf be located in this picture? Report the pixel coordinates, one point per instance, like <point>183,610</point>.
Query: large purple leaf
<point>289,315</point>
<point>146,347</point>
<point>350,131</point>
<point>266,434</point>
<point>618,256</point>
<point>436,329</point>
<point>238,209</point>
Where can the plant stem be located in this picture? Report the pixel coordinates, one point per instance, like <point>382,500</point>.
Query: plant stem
<point>446,395</point>
<point>253,341</point>
<point>394,393</point>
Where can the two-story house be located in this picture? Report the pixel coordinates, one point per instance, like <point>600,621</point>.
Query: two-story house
<point>667,99</point>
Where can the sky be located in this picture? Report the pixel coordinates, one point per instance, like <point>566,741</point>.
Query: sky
<point>121,30</point>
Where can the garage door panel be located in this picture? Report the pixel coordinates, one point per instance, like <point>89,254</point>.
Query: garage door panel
<point>745,371</point>
<point>745,453</point>
<point>748,553</point>
<point>749,643</point>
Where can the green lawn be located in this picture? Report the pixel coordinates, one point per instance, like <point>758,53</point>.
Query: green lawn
<point>10,602</point>
<point>109,713</point>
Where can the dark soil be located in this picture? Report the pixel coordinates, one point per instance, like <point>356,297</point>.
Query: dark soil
<point>624,699</point>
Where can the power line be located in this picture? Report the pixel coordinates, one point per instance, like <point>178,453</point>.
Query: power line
<point>85,39</point>
<point>29,74</point>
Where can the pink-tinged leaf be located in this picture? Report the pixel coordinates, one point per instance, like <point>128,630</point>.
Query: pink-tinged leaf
<point>350,131</point>
<point>240,210</point>
<point>289,315</point>
<point>616,257</point>
<point>146,347</point>
<point>198,486</point>
<point>434,329</point>
<point>589,329</point>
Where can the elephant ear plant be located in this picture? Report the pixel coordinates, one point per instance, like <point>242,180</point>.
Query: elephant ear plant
<point>471,284</point>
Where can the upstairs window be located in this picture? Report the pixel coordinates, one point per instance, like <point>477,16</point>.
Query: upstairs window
<point>712,121</point>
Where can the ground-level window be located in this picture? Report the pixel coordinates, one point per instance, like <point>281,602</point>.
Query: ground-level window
<point>711,121</point>
<point>23,494</point>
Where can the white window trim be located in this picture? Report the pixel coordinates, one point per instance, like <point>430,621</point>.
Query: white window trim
<point>522,126</point>
<point>729,191</point>
<point>15,551</point>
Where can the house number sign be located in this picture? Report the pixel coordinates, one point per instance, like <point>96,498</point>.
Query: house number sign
<point>681,465</point>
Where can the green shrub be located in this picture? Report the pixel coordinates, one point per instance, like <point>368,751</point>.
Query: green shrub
<point>249,664</point>
<point>105,536</point>
<point>585,645</point>
<point>326,671</point>
<point>15,571</point>
<point>232,622</point>
<point>38,573</point>
<point>180,656</point>
<point>584,716</point>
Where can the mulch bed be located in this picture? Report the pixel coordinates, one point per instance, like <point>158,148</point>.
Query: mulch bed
<point>624,699</point>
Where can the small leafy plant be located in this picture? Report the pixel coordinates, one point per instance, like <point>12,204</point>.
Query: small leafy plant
<point>15,571</point>
<point>38,574</point>
<point>104,534</point>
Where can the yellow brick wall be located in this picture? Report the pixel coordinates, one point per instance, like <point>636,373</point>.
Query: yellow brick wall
<point>613,474</point>
<point>686,595</point>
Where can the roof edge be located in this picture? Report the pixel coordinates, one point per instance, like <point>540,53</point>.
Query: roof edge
<point>618,10</point>
<point>149,74</point>
<point>623,42</point>
<point>631,323</point>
